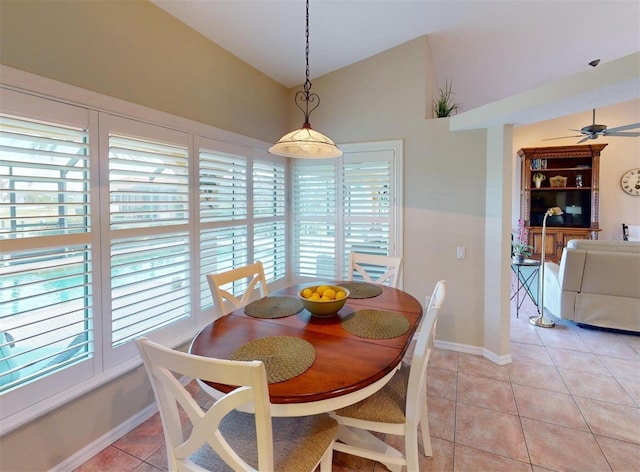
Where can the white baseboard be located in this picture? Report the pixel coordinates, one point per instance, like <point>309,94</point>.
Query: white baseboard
<point>500,360</point>
<point>86,453</point>
<point>478,351</point>
<point>107,439</point>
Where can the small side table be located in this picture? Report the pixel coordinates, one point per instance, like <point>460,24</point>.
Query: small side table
<point>525,282</point>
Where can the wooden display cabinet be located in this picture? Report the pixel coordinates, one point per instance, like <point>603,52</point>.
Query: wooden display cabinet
<point>568,177</point>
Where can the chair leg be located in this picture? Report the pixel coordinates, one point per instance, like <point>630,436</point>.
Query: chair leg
<point>424,428</point>
<point>326,463</point>
<point>411,449</point>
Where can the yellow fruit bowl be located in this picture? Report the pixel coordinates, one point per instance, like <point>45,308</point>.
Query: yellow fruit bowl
<point>323,300</point>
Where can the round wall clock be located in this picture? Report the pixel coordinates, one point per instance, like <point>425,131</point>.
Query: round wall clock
<point>630,182</point>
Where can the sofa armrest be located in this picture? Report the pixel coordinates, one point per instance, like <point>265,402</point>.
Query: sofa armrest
<point>552,275</point>
<point>571,269</point>
<point>552,288</point>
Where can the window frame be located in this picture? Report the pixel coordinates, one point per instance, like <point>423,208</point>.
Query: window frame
<point>30,96</point>
<point>391,151</point>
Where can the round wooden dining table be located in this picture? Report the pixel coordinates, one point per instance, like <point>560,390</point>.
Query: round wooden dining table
<point>346,369</point>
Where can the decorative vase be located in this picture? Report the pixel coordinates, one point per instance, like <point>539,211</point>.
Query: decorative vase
<point>537,179</point>
<point>518,258</point>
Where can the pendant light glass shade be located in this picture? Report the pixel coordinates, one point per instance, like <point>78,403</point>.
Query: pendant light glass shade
<point>306,143</point>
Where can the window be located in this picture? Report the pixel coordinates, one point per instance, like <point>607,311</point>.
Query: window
<point>46,264</point>
<point>242,213</point>
<point>315,212</point>
<point>353,203</point>
<point>269,205</point>
<point>107,226</point>
<point>148,188</point>
<point>224,238</point>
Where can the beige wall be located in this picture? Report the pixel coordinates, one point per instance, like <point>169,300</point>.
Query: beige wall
<point>389,96</point>
<point>135,51</point>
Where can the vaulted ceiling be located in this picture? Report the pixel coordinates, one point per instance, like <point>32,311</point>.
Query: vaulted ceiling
<point>489,49</point>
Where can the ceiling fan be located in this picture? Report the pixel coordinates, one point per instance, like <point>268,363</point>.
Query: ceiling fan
<point>594,131</point>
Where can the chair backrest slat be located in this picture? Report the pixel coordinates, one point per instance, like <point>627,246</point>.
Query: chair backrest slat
<point>368,264</point>
<point>253,273</point>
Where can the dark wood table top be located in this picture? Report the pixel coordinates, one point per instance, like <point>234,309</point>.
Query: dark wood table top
<point>345,364</point>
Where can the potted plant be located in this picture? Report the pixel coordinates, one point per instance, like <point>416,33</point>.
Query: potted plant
<point>520,246</point>
<point>443,106</point>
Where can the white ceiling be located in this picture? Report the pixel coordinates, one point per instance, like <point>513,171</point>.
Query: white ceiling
<point>489,49</point>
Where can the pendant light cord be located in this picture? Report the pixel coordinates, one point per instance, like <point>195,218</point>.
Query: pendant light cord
<point>305,97</point>
<point>307,83</point>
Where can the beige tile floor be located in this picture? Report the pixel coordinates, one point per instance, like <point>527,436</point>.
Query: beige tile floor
<point>570,401</point>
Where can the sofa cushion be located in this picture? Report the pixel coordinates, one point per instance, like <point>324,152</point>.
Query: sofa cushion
<point>599,245</point>
<point>611,273</point>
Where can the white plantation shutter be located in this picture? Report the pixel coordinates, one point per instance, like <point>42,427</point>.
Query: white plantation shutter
<point>315,213</point>
<point>46,172</point>
<point>223,187</point>
<point>224,206</point>
<point>366,210</point>
<point>148,183</point>
<point>46,292</point>
<point>149,284</point>
<point>269,230</point>
<point>269,196</point>
<point>149,216</point>
<point>353,203</point>
<point>269,247</point>
<point>221,249</point>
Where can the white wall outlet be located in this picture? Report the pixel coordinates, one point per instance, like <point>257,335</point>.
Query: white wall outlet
<point>461,252</point>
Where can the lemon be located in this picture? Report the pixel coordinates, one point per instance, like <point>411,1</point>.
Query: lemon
<point>340,294</point>
<point>307,292</point>
<point>325,299</point>
<point>314,296</point>
<point>320,290</point>
<point>329,293</point>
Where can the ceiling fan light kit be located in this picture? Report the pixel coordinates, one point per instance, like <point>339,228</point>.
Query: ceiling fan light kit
<point>305,142</point>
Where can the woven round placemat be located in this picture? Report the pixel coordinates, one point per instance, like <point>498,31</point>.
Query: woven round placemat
<point>362,289</point>
<point>375,324</point>
<point>273,307</point>
<point>284,357</point>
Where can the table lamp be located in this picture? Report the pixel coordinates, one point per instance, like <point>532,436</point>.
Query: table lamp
<point>539,320</point>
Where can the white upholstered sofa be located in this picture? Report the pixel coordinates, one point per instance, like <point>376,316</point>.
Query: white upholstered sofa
<point>596,283</point>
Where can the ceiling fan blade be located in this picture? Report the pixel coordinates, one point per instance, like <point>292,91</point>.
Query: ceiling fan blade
<point>563,137</point>
<point>622,128</point>
<point>623,134</point>
<point>586,138</point>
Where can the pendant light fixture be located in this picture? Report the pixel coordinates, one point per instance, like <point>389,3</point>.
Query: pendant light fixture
<point>306,143</point>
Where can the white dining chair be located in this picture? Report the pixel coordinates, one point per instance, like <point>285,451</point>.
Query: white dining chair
<point>223,437</point>
<point>399,408</point>
<point>250,279</point>
<point>375,268</point>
